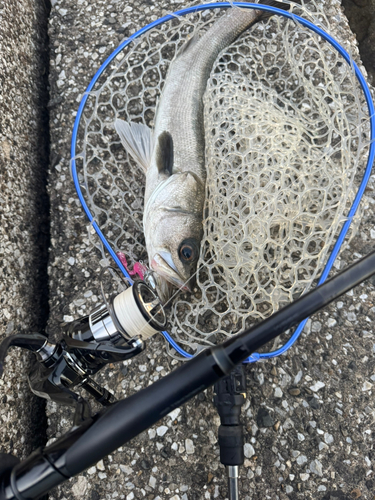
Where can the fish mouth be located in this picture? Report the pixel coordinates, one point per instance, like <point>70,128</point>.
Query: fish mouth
<point>164,269</point>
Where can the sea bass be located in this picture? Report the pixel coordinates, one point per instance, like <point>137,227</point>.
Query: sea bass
<point>173,155</point>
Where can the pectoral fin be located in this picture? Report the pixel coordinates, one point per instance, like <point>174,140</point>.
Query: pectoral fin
<point>137,140</point>
<point>164,154</point>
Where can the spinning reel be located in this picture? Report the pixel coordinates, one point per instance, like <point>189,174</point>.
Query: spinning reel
<point>114,331</point>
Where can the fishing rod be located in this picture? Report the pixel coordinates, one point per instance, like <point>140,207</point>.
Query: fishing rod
<point>97,436</point>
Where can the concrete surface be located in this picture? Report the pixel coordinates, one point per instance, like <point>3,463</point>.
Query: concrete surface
<point>24,223</point>
<point>318,398</point>
<point>310,414</point>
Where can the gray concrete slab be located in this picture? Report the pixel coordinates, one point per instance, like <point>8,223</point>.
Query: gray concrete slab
<point>24,224</point>
<point>320,444</point>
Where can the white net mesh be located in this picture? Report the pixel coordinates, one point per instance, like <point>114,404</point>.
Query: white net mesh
<point>285,131</point>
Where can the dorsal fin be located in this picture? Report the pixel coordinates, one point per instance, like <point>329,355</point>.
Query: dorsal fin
<point>164,154</point>
<point>137,140</point>
<point>188,45</point>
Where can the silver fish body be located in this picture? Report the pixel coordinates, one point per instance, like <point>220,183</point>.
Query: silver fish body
<point>173,157</point>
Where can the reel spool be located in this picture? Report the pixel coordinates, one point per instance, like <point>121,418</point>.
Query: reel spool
<point>134,313</point>
<point>288,124</point>
<point>139,311</point>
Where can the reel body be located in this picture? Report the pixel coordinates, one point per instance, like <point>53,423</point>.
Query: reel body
<point>107,335</point>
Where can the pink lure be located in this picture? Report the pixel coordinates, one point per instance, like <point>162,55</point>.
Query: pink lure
<point>138,268</point>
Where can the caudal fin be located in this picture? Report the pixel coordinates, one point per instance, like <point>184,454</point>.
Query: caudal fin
<point>273,3</point>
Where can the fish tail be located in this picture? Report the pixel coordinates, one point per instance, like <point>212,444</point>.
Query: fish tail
<point>272,3</point>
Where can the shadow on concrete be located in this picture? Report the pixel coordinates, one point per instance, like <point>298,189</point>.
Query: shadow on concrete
<point>361,16</point>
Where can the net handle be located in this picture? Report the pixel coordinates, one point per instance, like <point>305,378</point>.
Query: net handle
<point>370,105</point>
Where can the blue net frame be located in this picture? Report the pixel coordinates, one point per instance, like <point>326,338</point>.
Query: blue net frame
<point>340,239</point>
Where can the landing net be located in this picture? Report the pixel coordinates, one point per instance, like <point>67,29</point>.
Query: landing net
<point>286,130</point>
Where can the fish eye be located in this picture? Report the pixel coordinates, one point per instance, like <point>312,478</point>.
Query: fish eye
<point>188,251</point>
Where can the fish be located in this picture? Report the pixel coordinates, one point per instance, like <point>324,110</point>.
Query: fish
<point>172,156</point>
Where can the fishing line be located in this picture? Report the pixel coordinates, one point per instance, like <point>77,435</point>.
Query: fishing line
<point>297,19</point>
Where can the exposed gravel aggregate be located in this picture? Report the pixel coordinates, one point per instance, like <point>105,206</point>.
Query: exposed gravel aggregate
<point>23,211</point>
<point>309,414</point>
